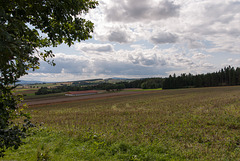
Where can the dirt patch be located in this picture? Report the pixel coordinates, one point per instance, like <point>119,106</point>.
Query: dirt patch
<point>61,99</point>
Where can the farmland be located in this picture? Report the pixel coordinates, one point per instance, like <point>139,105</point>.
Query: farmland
<point>183,124</point>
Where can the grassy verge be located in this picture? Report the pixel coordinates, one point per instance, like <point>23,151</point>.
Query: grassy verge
<point>52,145</point>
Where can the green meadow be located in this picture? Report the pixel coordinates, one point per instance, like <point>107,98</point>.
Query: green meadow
<point>183,124</point>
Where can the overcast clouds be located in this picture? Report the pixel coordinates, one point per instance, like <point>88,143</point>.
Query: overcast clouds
<point>150,38</point>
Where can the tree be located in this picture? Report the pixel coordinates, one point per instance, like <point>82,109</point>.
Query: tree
<point>25,27</point>
<point>150,84</point>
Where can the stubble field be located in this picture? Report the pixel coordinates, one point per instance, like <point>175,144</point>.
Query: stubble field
<point>183,124</point>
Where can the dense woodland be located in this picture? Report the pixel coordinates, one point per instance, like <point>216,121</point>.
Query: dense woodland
<point>227,76</point>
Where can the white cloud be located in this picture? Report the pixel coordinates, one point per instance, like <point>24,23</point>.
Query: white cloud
<point>217,22</point>
<point>192,22</point>
<point>137,38</point>
<point>139,62</point>
<point>232,62</point>
<point>200,56</point>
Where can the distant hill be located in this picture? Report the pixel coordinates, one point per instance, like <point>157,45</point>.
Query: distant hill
<point>28,82</point>
<point>83,82</point>
<point>99,81</point>
<point>122,78</point>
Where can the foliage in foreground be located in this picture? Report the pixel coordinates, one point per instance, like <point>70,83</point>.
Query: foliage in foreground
<point>186,124</point>
<point>21,25</point>
<point>10,132</point>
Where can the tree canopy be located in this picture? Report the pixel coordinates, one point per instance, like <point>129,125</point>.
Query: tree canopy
<point>228,76</point>
<point>25,27</point>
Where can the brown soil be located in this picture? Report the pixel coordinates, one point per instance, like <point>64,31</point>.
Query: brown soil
<point>61,99</point>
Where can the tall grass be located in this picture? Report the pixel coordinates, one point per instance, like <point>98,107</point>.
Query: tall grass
<point>184,124</point>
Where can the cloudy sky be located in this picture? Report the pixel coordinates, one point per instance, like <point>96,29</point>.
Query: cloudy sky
<point>151,38</point>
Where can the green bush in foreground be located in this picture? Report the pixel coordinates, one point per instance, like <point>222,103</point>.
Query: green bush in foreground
<point>49,145</point>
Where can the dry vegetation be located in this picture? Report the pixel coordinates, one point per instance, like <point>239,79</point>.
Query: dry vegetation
<point>182,124</point>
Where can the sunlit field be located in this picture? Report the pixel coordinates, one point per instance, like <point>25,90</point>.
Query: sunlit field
<point>183,124</point>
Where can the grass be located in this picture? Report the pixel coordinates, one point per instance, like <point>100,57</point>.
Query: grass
<point>184,124</point>
<point>33,96</point>
<point>157,89</point>
<point>29,90</point>
<point>51,145</point>
<point>26,91</point>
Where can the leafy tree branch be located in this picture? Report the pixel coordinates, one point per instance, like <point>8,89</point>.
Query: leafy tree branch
<point>25,27</point>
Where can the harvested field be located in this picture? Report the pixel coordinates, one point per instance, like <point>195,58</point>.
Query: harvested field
<point>65,99</point>
<point>183,124</point>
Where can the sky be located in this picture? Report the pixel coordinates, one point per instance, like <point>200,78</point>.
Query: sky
<point>150,38</point>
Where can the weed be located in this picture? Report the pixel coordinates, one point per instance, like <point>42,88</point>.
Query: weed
<point>43,154</point>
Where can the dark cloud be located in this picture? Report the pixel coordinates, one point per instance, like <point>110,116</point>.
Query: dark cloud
<point>141,10</point>
<point>114,67</point>
<point>118,36</point>
<point>94,47</point>
<point>163,38</point>
<point>126,63</point>
<point>64,63</point>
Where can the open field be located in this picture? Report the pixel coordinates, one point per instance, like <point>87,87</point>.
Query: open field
<point>184,124</point>
<point>29,90</point>
<point>26,91</point>
<point>61,98</point>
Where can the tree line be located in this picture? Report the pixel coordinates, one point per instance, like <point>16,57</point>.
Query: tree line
<point>146,83</point>
<point>227,76</point>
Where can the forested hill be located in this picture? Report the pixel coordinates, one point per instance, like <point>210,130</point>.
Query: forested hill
<point>228,76</point>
